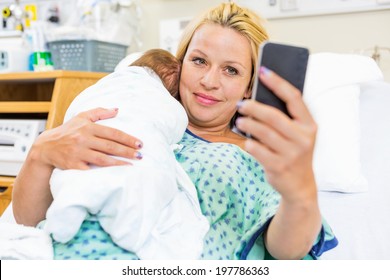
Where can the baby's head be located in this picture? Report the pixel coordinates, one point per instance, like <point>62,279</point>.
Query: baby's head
<point>165,65</point>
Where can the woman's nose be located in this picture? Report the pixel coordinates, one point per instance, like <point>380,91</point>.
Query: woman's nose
<point>210,79</point>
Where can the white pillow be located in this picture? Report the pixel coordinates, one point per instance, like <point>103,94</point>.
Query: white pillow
<point>332,91</point>
<point>336,160</point>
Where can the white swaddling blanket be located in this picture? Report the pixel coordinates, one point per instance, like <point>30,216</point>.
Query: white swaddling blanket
<point>18,242</point>
<point>150,207</point>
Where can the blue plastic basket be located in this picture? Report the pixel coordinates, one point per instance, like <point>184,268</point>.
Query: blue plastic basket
<point>86,55</point>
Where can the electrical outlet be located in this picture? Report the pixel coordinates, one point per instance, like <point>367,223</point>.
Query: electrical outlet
<point>288,5</point>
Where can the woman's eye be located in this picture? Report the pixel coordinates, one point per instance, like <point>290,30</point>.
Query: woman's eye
<point>231,71</point>
<point>198,61</point>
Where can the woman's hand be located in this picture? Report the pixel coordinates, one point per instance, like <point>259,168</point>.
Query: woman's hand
<point>80,142</point>
<point>284,146</point>
<point>73,145</point>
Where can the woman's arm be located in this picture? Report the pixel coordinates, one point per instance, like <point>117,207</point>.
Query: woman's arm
<point>285,148</point>
<point>73,145</point>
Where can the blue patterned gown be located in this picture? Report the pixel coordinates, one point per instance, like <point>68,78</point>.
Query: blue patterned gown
<point>234,196</point>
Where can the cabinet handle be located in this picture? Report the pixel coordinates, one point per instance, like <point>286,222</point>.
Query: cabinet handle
<point>5,191</point>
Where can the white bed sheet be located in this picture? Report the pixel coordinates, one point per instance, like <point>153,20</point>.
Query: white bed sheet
<point>7,216</point>
<point>361,221</point>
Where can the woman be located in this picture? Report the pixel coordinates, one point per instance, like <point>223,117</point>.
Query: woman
<point>249,219</point>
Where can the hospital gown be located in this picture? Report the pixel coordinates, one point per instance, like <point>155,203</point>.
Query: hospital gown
<point>234,196</point>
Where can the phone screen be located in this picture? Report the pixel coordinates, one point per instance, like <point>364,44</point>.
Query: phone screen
<point>289,62</point>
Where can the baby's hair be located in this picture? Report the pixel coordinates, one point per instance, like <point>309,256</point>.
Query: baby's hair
<point>165,65</point>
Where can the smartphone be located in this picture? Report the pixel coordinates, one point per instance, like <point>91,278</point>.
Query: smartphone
<point>289,62</point>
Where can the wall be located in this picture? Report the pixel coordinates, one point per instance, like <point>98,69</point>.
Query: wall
<point>155,10</point>
<point>345,33</point>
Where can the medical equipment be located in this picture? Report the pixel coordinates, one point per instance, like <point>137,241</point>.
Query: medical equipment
<point>16,13</point>
<point>16,138</point>
<point>14,53</point>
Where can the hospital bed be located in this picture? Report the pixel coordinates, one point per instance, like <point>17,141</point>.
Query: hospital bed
<point>361,220</point>
<point>350,102</point>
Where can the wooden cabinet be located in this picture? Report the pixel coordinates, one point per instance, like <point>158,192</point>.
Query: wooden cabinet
<point>34,95</point>
<point>5,192</point>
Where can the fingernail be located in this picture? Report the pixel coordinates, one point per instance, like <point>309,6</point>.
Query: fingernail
<point>238,121</point>
<point>265,71</point>
<point>138,155</point>
<point>138,144</point>
<point>239,104</point>
<point>114,109</point>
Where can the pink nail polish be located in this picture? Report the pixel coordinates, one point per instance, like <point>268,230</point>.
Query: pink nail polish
<point>239,104</point>
<point>138,155</point>
<point>265,71</point>
<point>138,144</point>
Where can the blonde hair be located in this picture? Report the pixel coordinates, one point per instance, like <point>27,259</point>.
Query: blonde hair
<point>229,15</point>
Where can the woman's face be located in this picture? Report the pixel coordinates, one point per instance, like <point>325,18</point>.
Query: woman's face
<point>215,75</point>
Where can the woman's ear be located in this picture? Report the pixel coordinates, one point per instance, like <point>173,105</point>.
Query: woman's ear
<point>248,94</point>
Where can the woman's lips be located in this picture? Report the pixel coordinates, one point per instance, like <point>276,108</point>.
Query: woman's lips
<point>205,99</point>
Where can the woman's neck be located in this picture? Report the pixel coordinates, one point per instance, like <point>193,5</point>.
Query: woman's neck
<point>211,131</point>
<point>218,134</point>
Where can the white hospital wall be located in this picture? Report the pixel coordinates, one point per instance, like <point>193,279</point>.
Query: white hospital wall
<point>155,10</point>
<point>345,33</point>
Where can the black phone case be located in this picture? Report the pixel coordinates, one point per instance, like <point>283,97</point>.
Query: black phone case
<point>289,62</point>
